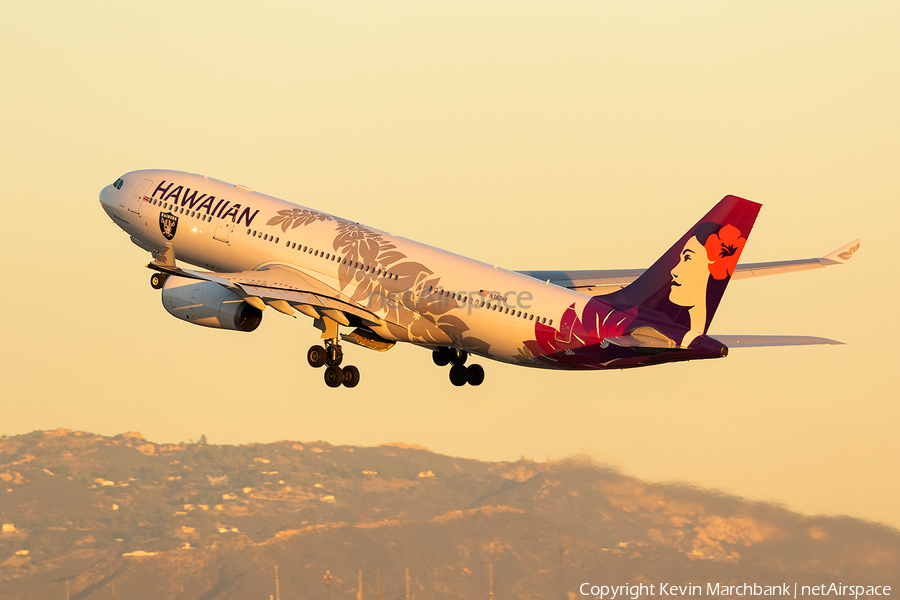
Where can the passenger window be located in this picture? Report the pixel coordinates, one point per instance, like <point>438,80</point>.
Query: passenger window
<point>551,323</point>
<point>277,239</point>
<point>531,318</point>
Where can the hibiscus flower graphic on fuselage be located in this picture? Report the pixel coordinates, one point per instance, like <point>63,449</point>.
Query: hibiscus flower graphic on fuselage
<point>599,320</point>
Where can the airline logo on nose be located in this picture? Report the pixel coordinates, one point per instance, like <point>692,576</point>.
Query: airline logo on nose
<point>168,223</point>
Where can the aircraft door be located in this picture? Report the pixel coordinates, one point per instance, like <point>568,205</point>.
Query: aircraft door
<point>223,228</point>
<point>564,334</point>
<point>138,195</point>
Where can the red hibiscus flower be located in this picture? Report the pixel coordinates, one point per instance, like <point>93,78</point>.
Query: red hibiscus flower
<point>723,251</point>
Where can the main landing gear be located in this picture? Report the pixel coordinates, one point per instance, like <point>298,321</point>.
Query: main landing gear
<point>331,357</point>
<point>460,374</point>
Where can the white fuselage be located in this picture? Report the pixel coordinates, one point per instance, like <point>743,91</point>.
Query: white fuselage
<point>228,228</point>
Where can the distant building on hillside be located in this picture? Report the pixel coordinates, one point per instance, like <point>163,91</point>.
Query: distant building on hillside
<point>8,528</point>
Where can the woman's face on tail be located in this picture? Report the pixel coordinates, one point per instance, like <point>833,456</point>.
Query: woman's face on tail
<point>691,275</point>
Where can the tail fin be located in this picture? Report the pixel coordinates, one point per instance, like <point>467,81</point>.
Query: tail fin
<point>687,282</point>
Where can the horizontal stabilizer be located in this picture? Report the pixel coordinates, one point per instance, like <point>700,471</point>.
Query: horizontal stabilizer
<point>760,341</point>
<point>642,337</point>
<point>638,341</point>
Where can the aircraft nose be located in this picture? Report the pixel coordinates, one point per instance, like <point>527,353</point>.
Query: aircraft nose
<point>106,195</point>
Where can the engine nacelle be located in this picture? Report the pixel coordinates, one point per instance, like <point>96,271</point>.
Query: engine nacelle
<point>208,304</point>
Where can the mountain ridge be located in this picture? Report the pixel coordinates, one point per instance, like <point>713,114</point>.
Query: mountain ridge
<point>104,512</point>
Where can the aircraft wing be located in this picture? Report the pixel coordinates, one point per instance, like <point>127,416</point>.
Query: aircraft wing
<point>281,287</point>
<point>607,281</point>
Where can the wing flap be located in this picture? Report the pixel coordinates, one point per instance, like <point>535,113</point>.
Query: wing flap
<point>281,287</point>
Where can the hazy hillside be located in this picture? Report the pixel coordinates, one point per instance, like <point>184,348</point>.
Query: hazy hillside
<point>126,518</point>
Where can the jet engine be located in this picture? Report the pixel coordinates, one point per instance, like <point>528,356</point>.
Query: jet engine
<point>208,304</point>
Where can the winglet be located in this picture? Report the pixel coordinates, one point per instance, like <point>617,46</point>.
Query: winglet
<point>843,254</point>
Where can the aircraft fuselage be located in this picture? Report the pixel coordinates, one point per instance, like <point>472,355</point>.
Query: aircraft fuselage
<point>420,294</point>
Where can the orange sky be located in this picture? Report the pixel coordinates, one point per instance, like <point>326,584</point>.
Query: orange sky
<point>532,135</point>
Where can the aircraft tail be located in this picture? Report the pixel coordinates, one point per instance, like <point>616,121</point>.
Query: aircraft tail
<point>688,281</point>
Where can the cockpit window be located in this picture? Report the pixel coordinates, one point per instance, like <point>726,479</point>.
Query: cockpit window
<point>118,183</point>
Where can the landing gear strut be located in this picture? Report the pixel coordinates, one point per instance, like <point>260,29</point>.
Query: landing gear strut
<point>332,355</point>
<point>460,374</point>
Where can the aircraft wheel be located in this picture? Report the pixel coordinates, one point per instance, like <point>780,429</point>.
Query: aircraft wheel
<point>474,374</point>
<point>351,376</point>
<point>441,357</point>
<point>157,280</point>
<point>458,375</point>
<point>458,357</point>
<point>334,376</point>
<point>334,355</point>
<point>315,356</point>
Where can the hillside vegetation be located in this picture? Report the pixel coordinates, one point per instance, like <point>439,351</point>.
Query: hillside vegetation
<point>122,517</point>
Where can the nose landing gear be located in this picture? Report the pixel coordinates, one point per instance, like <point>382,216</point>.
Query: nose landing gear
<point>157,280</point>
<point>332,356</point>
<point>460,374</point>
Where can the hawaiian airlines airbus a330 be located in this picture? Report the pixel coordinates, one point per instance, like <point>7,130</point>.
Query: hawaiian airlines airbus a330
<point>374,289</point>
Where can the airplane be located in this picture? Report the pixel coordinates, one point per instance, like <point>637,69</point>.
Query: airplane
<point>374,289</point>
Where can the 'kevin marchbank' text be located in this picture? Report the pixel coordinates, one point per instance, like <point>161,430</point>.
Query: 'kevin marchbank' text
<point>788,590</point>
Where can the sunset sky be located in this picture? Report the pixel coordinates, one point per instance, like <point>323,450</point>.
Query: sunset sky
<point>535,135</point>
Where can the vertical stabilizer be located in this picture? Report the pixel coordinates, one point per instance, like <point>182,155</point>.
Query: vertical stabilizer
<point>688,281</point>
